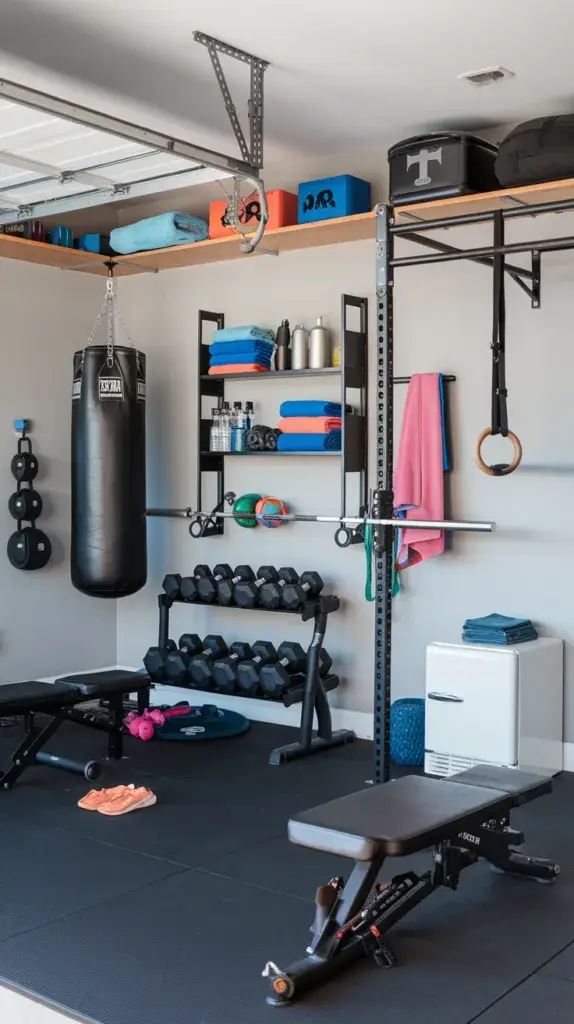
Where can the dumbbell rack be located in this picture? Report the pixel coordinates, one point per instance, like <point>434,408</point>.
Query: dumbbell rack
<point>353,375</point>
<point>314,695</point>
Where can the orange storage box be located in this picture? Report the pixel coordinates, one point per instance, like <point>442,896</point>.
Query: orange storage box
<point>282,211</point>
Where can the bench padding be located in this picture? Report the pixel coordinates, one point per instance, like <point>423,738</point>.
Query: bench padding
<point>404,816</point>
<point>98,684</point>
<point>17,698</point>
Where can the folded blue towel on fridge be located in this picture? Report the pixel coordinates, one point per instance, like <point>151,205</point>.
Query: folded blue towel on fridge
<point>499,639</point>
<point>243,333</point>
<point>249,346</point>
<point>312,408</point>
<point>159,232</point>
<point>496,621</point>
<point>309,442</point>
<point>246,357</point>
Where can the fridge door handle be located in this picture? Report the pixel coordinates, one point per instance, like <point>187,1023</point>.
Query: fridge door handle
<point>450,698</point>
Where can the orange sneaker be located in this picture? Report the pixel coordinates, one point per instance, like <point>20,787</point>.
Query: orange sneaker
<point>131,800</point>
<point>96,797</point>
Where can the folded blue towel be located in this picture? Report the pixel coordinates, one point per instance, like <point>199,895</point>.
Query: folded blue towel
<point>247,357</point>
<point>309,442</point>
<point>499,639</point>
<point>159,232</point>
<point>496,621</point>
<point>312,408</point>
<point>248,346</point>
<point>243,333</point>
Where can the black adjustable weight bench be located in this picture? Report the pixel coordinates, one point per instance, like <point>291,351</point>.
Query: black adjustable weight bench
<point>462,819</point>
<point>59,702</point>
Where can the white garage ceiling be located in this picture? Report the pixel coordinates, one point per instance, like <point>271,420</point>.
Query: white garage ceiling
<point>345,73</point>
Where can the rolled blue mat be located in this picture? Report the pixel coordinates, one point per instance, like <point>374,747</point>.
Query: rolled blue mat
<point>159,232</point>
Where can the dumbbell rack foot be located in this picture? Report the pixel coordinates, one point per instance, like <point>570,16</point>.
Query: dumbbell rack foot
<point>314,699</point>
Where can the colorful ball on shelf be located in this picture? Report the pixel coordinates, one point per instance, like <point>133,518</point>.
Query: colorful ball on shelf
<point>246,503</point>
<point>266,508</point>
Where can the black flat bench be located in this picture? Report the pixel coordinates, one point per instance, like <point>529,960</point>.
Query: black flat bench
<point>462,819</point>
<point>59,701</point>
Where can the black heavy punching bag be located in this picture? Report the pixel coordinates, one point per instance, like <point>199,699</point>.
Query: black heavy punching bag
<point>109,557</point>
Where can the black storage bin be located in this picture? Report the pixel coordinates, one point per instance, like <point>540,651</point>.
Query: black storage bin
<point>439,165</point>
<point>538,150</point>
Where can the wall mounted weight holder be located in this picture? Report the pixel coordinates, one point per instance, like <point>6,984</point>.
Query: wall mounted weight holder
<point>28,547</point>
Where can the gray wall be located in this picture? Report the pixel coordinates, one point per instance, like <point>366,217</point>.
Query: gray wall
<point>46,626</point>
<point>442,322</point>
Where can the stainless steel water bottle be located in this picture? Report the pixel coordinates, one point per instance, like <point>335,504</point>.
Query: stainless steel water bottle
<point>300,348</point>
<point>319,345</point>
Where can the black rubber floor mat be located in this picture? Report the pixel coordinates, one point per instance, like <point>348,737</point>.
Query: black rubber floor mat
<point>538,1000</point>
<point>47,874</point>
<point>278,864</point>
<point>562,966</point>
<point>163,955</point>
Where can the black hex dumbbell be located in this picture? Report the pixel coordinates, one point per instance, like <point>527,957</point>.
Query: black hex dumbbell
<point>171,584</point>
<point>247,593</point>
<point>207,586</point>
<point>226,587</point>
<point>199,671</point>
<point>294,595</point>
<point>188,587</point>
<point>224,670</point>
<point>177,662</point>
<point>271,593</point>
<point>247,682</point>
<point>154,660</point>
<point>274,679</point>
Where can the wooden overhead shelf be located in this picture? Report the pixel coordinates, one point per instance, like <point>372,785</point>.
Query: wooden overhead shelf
<point>296,236</point>
<point>485,202</point>
<point>14,248</point>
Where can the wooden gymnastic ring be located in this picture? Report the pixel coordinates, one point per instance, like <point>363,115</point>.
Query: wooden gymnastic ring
<point>500,470</point>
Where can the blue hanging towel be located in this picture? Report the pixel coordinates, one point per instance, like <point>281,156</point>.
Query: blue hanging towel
<point>159,232</point>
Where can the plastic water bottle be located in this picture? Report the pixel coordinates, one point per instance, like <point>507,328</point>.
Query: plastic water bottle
<point>238,432</point>
<point>248,414</point>
<point>215,431</point>
<point>226,428</point>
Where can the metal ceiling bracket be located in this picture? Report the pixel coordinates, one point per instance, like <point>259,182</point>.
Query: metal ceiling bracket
<point>252,154</point>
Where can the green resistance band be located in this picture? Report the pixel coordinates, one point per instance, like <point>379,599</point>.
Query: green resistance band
<point>370,594</point>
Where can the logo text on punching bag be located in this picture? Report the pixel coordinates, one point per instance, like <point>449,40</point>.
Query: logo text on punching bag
<point>111,387</point>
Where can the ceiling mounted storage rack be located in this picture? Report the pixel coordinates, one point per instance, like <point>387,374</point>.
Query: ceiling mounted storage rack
<point>352,375</point>
<point>51,168</point>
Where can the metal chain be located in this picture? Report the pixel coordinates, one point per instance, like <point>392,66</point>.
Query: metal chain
<point>110,301</point>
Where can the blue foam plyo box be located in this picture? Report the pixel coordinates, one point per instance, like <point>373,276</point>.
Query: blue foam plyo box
<point>326,198</point>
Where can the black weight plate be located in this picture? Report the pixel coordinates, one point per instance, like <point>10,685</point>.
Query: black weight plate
<point>29,549</point>
<point>25,505</point>
<point>24,466</point>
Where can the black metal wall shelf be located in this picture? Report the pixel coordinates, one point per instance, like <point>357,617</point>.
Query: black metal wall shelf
<point>324,371</point>
<point>226,455</point>
<point>353,376</point>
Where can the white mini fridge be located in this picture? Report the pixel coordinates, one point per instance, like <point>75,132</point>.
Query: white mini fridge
<point>494,705</point>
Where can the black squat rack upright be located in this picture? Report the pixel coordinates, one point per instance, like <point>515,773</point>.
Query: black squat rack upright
<point>381,505</point>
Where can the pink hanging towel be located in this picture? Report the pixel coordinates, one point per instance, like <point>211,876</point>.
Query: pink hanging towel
<point>419,473</point>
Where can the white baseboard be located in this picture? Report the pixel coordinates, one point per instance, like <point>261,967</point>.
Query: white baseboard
<point>568,757</point>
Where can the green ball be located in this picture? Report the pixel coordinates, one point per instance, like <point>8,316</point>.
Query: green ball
<point>246,503</point>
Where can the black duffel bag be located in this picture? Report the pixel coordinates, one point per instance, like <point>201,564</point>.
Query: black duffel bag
<point>538,150</point>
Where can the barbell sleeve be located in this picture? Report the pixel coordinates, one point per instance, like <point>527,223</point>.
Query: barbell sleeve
<point>294,517</point>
